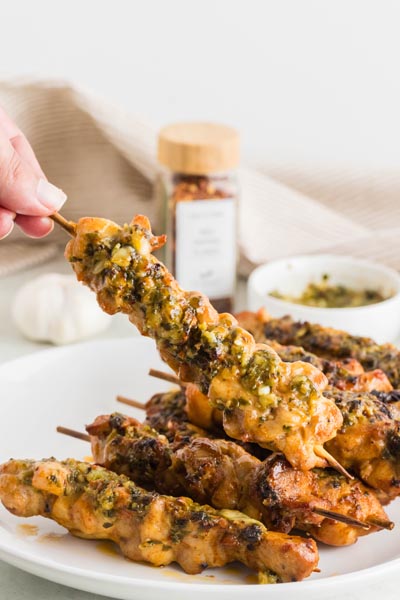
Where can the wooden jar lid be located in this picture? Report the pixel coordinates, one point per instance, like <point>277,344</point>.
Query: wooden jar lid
<point>198,148</point>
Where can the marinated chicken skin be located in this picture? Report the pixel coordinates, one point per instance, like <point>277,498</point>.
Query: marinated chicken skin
<point>263,399</point>
<point>223,474</point>
<point>94,503</point>
<point>332,344</point>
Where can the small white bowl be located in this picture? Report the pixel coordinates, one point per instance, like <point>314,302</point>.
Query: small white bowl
<point>380,321</point>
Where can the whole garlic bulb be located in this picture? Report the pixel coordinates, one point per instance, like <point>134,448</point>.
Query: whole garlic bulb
<point>56,308</point>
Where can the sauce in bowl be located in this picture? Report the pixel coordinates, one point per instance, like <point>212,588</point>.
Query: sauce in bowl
<point>325,295</point>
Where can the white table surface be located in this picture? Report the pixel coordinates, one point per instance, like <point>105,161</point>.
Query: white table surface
<point>18,585</point>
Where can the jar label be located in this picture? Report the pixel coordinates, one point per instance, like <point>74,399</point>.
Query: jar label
<point>206,246</point>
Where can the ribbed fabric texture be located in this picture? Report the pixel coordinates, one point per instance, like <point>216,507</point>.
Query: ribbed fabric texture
<point>105,160</point>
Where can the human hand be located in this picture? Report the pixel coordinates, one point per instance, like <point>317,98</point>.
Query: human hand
<point>26,197</point>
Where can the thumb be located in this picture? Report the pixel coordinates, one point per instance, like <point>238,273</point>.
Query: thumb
<point>22,188</point>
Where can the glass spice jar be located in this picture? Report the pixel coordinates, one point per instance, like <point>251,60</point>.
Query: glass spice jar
<point>199,192</point>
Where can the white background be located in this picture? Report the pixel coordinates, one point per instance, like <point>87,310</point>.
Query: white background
<point>304,80</point>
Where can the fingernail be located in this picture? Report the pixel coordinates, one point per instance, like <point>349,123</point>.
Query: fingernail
<point>3,237</point>
<point>49,195</point>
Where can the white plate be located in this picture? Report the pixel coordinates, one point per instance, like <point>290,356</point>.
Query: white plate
<point>70,386</point>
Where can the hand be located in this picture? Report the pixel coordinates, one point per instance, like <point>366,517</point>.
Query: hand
<point>26,197</point>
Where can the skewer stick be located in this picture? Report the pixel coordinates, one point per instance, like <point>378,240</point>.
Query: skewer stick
<point>167,377</point>
<point>382,524</point>
<point>73,433</point>
<point>68,226</point>
<point>129,402</point>
<point>371,522</point>
<point>330,514</point>
<point>341,518</point>
<point>322,453</point>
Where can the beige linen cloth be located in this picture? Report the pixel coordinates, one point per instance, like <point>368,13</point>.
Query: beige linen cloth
<point>105,160</point>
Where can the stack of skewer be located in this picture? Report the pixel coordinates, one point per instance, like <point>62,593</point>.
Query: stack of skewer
<point>273,427</point>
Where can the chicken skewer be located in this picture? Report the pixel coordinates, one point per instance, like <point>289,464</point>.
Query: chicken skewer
<point>223,474</point>
<point>368,443</point>
<point>167,413</point>
<point>347,374</point>
<point>330,343</point>
<point>203,414</point>
<point>94,503</point>
<point>342,373</point>
<point>263,399</point>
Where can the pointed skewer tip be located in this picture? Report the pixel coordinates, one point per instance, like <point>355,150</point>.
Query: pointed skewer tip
<point>166,377</point>
<point>322,453</point>
<point>381,523</point>
<point>330,514</point>
<point>73,433</point>
<point>130,402</point>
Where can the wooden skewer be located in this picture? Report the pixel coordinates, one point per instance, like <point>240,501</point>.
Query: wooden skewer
<point>371,522</point>
<point>68,226</point>
<point>73,433</point>
<point>343,518</point>
<point>330,514</point>
<point>382,524</point>
<point>129,402</point>
<point>322,453</point>
<point>167,377</point>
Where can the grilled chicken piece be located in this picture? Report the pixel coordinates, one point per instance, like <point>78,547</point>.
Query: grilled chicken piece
<point>168,414</point>
<point>223,474</point>
<point>368,443</point>
<point>94,503</point>
<point>331,344</point>
<point>263,399</point>
<point>370,381</point>
<point>345,374</point>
